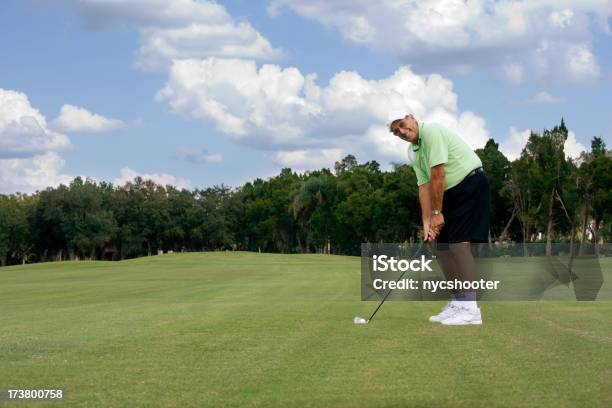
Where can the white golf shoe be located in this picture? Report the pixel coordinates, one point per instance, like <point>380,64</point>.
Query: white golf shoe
<point>463,315</point>
<point>447,312</point>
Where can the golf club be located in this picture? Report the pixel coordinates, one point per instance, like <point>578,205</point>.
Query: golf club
<point>361,320</point>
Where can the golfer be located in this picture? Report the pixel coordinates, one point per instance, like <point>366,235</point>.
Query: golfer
<point>455,201</point>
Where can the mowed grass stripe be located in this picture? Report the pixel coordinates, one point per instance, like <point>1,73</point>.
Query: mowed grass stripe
<point>246,329</point>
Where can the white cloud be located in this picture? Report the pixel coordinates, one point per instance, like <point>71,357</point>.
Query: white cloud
<point>463,35</point>
<point>33,173</point>
<point>23,129</point>
<point>171,29</point>
<point>161,45</point>
<point>73,119</point>
<point>563,61</point>
<point>572,147</point>
<point>128,174</point>
<point>544,98</point>
<point>514,143</point>
<point>308,159</point>
<point>29,158</point>
<point>241,99</point>
<point>274,108</point>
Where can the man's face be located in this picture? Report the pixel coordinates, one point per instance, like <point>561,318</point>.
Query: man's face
<point>406,129</point>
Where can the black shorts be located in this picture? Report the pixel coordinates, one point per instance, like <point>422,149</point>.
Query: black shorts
<point>466,208</point>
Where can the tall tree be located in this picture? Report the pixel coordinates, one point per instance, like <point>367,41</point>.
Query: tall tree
<point>537,178</point>
<point>87,224</point>
<point>47,223</point>
<point>595,177</point>
<point>15,235</point>
<point>312,205</point>
<point>497,169</point>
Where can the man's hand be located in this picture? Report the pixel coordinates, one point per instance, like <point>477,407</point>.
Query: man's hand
<point>437,222</point>
<point>427,231</point>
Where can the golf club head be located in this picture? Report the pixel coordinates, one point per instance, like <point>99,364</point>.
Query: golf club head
<point>360,320</point>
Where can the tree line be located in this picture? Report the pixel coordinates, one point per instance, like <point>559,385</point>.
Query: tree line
<point>540,197</point>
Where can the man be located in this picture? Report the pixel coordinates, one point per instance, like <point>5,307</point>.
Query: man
<point>455,201</point>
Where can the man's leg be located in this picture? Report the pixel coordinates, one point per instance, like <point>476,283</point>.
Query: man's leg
<point>464,259</point>
<point>468,311</point>
<point>466,268</point>
<point>449,269</point>
<point>448,263</point>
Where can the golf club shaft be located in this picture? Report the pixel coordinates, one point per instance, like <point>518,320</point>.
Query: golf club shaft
<point>417,253</point>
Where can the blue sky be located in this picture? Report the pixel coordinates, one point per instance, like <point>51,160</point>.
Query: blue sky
<point>88,74</point>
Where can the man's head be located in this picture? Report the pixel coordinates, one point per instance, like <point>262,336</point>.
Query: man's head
<point>406,128</point>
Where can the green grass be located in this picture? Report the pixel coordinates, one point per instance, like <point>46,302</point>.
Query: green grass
<point>246,329</point>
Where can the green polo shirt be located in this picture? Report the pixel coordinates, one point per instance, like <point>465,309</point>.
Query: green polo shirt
<point>437,145</point>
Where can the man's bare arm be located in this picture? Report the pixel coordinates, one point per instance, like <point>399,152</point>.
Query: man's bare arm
<point>425,200</point>
<point>437,179</point>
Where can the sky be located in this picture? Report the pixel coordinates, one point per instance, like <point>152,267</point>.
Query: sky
<point>196,93</point>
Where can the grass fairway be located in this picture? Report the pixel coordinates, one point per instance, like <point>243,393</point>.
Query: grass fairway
<point>246,329</point>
